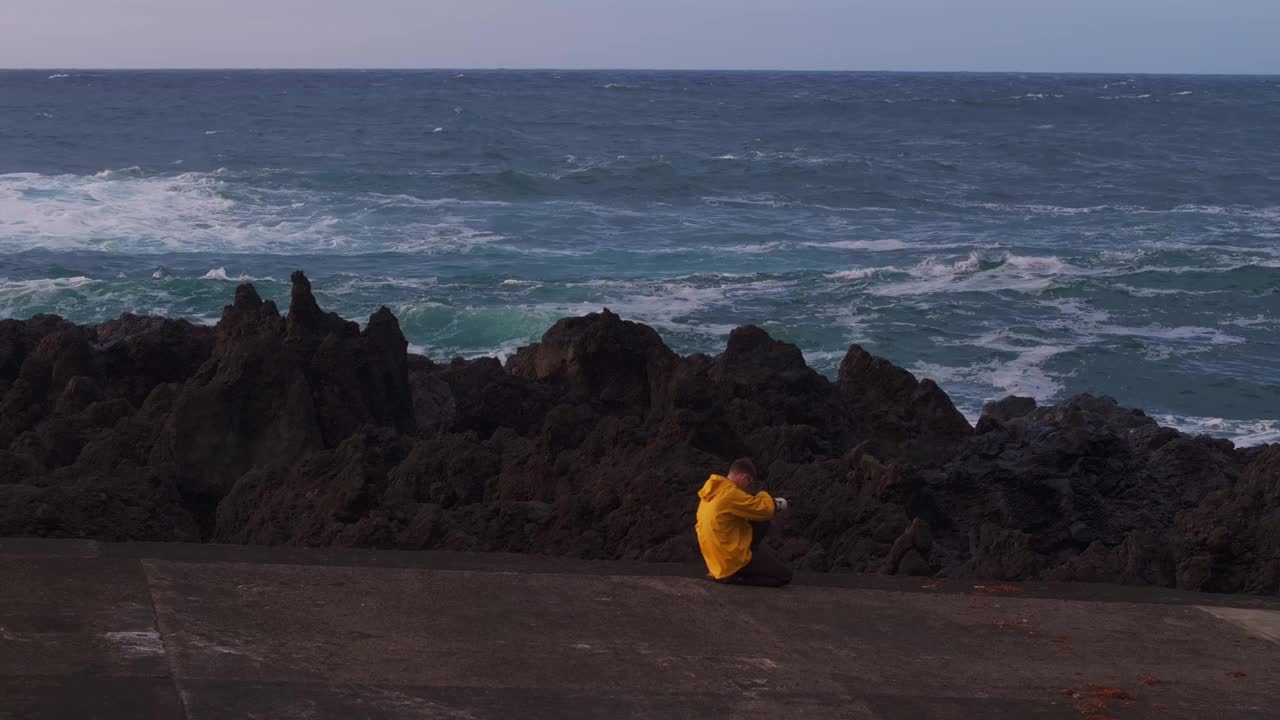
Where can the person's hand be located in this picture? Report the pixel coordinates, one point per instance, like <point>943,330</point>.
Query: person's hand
<point>780,504</point>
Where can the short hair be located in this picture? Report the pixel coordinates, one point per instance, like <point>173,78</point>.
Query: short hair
<point>744,466</point>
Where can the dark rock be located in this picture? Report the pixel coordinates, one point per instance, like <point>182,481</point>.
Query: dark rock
<point>600,357</point>
<point>307,430</point>
<point>902,416</point>
<point>1010,408</point>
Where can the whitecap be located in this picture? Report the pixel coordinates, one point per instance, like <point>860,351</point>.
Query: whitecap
<point>126,210</point>
<point>872,245</point>
<point>221,274</point>
<point>210,132</point>
<point>760,199</point>
<point>438,130</point>
<point>855,274</point>
<point>1018,273</point>
<point>756,248</point>
<point>56,76</point>
<point>1182,333</point>
<point>18,288</point>
<point>109,174</point>
<point>1184,92</point>
<point>1244,433</point>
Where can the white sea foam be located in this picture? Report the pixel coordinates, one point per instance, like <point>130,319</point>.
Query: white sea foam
<point>221,274</point>
<point>1254,321</point>
<point>19,288</point>
<point>19,297</point>
<point>210,132</point>
<point>1034,209</point>
<point>761,200</point>
<point>131,171</point>
<point>1182,333</point>
<point>1024,374</point>
<point>1016,273</point>
<point>1158,292</point>
<point>873,245</point>
<point>56,76</point>
<point>1184,92</point>
<point>756,248</point>
<point>856,274</point>
<point>126,210</point>
<point>1244,433</point>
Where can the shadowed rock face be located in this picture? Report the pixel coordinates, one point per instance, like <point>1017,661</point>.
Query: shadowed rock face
<point>304,429</point>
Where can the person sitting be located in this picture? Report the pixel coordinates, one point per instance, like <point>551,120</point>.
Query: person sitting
<point>732,525</point>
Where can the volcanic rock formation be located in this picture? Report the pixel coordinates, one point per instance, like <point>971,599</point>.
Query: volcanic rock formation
<point>305,429</point>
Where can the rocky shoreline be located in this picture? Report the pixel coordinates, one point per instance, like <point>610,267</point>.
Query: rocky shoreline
<point>304,429</point>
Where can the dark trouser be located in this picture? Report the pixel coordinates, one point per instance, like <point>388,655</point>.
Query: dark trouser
<point>765,569</point>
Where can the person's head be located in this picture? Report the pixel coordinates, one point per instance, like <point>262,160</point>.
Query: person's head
<point>742,472</point>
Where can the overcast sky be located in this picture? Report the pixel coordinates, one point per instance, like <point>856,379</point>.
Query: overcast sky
<point>1176,36</point>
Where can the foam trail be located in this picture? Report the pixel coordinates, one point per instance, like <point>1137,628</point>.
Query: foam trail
<point>1244,433</point>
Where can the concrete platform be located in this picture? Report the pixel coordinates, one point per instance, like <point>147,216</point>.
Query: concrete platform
<point>215,632</point>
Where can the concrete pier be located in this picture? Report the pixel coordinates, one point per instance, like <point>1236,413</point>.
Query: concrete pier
<point>91,630</point>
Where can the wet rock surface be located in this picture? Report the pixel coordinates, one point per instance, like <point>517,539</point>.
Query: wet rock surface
<point>304,429</point>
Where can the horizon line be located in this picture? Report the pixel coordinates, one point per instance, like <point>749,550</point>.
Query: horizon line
<point>408,68</point>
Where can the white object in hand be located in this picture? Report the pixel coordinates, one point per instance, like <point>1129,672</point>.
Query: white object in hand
<point>780,504</point>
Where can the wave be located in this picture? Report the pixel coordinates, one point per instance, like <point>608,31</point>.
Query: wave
<point>1024,374</point>
<point>1018,273</point>
<point>221,274</point>
<point>757,200</point>
<point>872,245</point>
<point>57,76</point>
<point>855,274</point>
<point>1244,433</point>
<point>131,171</point>
<point>127,210</point>
<point>17,288</point>
<point>756,248</point>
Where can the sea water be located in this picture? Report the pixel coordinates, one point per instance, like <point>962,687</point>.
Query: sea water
<point>1038,235</point>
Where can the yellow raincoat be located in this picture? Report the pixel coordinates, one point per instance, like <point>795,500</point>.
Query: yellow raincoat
<point>725,514</point>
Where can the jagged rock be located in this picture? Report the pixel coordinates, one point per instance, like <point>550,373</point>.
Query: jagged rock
<point>600,357</point>
<point>305,429</point>
<point>902,416</point>
<point>1010,408</point>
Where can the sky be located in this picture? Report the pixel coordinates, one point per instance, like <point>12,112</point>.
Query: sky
<point>1130,36</point>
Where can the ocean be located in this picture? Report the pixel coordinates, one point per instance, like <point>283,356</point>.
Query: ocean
<point>1038,235</point>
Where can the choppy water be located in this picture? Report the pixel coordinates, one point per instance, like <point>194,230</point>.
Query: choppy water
<point>1030,234</point>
